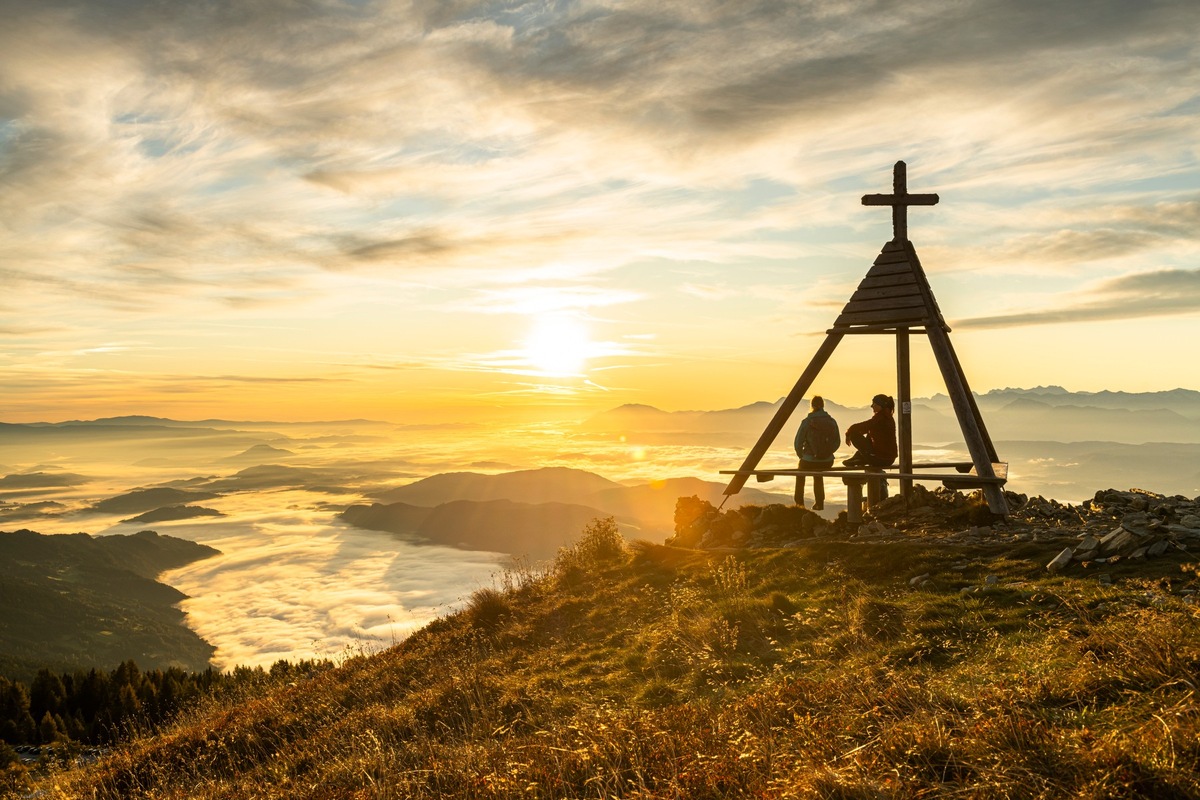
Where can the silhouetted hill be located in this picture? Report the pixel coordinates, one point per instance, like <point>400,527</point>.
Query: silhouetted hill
<point>140,500</point>
<point>550,484</point>
<point>644,510</point>
<point>536,530</point>
<point>173,437</point>
<point>391,517</point>
<point>653,504</point>
<point>127,420</point>
<point>260,453</point>
<point>40,480</point>
<point>278,476</point>
<point>80,601</point>
<point>172,513</point>
<point>48,508</point>
<point>274,476</point>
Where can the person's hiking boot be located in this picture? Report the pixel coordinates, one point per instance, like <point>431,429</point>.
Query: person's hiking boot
<point>818,506</point>
<point>854,461</point>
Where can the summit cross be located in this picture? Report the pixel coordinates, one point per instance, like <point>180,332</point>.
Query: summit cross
<point>899,200</point>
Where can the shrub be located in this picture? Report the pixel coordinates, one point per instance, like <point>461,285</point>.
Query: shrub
<point>487,608</point>
<point>600,545</point>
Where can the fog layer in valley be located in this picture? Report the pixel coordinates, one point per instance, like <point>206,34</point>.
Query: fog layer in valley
<point>294,580</point>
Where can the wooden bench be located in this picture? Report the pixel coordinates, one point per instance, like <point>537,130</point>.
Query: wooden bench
<point>876,478</point>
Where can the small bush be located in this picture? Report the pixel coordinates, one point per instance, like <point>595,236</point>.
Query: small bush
<point>487,608</point>
<point>600,545</point>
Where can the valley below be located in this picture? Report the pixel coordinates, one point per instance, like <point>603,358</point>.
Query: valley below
<point>340,537</point>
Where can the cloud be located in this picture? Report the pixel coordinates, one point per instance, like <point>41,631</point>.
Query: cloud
<point>1074,235</point>
<point>225,160</point>
<point>1147,294</point>
<point>533,299</point>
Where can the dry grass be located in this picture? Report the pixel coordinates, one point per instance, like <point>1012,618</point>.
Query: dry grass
<point>648,672</point>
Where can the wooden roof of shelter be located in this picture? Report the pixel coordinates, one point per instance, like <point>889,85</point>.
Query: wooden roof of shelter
<point>895,298</point>
<point>895,293</point>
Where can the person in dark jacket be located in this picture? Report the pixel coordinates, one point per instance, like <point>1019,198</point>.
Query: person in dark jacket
<point>816,428</point>
<point>874,440</point>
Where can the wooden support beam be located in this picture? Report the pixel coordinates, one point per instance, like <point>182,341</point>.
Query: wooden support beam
<point>974,404</point>
<point>904,409</point>
<point>888,328</point>
<point>785,411</point>
<point>853,501</point>
<point>876,491</point>
<point>977,444</point>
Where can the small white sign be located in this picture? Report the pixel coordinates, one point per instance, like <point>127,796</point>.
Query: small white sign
<point>906,407</point>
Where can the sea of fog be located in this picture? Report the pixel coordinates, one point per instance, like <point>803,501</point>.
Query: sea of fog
<point>292,580</point>
<point>295,582</point>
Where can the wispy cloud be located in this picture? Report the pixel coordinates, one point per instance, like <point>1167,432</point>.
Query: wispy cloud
<point>533,299</point>
<point>232,161</point>
<point>1146,294</point>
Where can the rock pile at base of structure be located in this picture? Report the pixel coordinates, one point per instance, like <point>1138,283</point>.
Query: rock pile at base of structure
<point>1114,525</point>
<point>1141,524</point>
<point>700,525</point>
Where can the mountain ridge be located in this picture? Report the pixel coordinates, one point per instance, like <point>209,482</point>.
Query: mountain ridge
<point>82,601</point>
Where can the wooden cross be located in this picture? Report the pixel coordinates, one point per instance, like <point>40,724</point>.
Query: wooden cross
<point>899,200</point>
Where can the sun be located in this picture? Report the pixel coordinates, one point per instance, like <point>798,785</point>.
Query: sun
<point>557,346</point>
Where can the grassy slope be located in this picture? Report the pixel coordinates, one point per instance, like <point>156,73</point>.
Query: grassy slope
<point>816,671</point>
<point>77,601</point>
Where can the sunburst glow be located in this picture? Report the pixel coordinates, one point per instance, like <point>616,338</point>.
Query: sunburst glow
<point>557,346</point>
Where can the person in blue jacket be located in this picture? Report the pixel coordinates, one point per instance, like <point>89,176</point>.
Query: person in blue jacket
<point>816,442</point>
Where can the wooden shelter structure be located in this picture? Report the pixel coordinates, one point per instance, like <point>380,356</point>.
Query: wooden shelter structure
<point>894,299</point>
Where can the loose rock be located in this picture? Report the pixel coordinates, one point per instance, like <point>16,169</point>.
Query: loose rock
<point>1061,560</point>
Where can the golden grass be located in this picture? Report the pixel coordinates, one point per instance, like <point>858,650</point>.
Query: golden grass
<point>650,672</point>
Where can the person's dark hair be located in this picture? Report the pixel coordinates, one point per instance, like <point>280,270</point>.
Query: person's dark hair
<point>884,401</point>
<point>818,402</point>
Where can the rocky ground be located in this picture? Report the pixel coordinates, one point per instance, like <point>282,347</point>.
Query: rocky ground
<point>1133,528</point>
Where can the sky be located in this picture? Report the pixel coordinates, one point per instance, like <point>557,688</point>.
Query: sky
<point>452,210</point>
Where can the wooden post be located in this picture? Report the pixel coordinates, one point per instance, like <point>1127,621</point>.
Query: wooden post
<point>853,499</point>
<point>876,489</point>
<point>904,410</point>
<point>785,410</point>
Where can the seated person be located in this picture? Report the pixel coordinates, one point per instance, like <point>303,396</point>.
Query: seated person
<point>874,439</point>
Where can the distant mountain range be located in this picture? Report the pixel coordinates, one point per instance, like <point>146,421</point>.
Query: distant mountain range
<point>1058,443</point>
<point>1184,401</point>
<point>1043,413</point>
<point>141,420</point>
